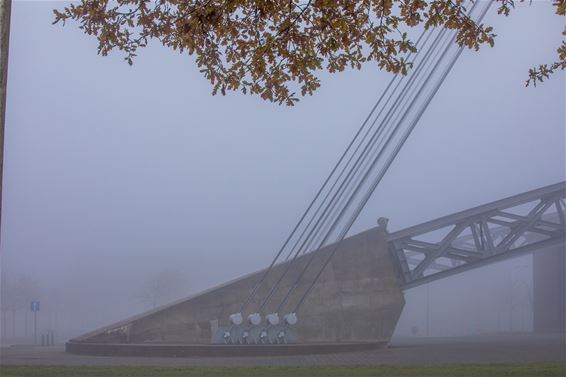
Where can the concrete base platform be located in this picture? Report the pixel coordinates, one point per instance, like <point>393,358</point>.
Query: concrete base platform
<point>215,350</point>
<point>483,349</point>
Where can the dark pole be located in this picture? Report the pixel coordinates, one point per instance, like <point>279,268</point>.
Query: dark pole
<point>427,308</point>
<point>6,10</point>
<point>4,323</point>
<point>35,327</point>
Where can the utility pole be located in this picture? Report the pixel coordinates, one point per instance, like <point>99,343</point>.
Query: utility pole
<point>6,10</point>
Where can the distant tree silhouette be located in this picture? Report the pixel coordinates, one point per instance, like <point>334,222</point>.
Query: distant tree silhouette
<point>163,287</point>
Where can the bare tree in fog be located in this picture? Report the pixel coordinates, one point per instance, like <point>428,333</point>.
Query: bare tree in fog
<point>163,287</point>
<point>15,296</point>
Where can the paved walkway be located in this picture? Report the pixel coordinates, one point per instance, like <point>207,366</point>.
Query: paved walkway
<point>514,348</point>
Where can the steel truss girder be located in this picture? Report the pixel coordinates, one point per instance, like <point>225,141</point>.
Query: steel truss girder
<point>480,235</point>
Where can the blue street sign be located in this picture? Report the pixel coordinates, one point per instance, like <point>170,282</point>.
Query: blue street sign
<point>34,306</point>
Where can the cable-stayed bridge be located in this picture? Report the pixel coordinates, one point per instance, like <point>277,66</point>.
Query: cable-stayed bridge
<point>358,299</point>
<point>326,287</point>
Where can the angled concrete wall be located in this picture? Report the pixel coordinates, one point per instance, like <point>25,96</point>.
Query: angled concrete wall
<point>357,299</point>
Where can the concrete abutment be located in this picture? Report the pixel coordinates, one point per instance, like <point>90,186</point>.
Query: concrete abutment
<point>357,300</point>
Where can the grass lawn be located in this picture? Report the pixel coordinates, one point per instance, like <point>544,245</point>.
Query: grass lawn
<point>494,370</point>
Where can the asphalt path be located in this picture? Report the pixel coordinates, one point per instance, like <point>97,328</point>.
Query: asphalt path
<point>507,348</point>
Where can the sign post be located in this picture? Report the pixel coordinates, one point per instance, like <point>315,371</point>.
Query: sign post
<point>34,306</point>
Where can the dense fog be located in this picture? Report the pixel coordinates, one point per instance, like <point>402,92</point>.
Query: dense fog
<point>126,188</point>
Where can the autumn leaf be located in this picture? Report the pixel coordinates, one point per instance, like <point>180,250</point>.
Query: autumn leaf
<point>275,49</point>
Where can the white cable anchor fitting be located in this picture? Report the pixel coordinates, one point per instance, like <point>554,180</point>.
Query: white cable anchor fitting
<point>290,319</point>
<point>272,319</point>
<point>254,319</point>
<point>236,319</point>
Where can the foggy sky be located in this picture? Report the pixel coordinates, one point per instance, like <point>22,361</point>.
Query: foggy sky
<point>115,172</point>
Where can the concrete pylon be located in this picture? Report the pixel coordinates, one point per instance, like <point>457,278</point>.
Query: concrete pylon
<point>357,299</point>
<point>549,290</point>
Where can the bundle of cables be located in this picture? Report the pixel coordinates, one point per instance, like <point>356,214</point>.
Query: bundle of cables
<point>358,172</point>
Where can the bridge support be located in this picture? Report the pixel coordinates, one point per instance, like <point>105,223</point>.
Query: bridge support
<point>549,289</point>
<point>357,300</point>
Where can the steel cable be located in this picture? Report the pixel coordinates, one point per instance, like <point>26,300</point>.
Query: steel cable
<point>367,150</point>
<point>308,240</point>
<point>390,159</point>
<point>312,203</point>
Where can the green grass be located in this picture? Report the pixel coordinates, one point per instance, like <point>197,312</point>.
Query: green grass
<point>493,370</point>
